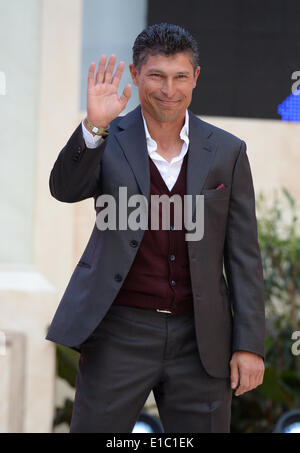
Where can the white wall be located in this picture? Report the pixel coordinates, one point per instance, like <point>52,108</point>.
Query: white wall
<point>19,61</point>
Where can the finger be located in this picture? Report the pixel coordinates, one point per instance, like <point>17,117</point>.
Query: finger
<point>261,377</point>
<point>118,74</point>
<point>101,69</point>
<point>91,80</point>
<point>234,377</point>
<point>257,378</point>
<point>125,96</point>
<point>109,69</point>
<point>244,384</point>
<point>253,381</point>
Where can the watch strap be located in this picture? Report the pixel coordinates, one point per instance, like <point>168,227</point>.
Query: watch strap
<point>97,130</point>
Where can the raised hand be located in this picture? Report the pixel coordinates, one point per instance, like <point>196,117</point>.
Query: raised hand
<point>103,104</point>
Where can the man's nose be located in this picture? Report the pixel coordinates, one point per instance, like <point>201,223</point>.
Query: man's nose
<point>167,87</point>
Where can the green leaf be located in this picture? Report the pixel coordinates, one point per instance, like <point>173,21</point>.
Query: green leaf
<point>288,196</point>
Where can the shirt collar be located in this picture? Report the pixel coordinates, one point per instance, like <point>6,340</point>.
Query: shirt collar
<point>184,134</point>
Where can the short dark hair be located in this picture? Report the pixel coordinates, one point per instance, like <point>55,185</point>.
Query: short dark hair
<point>167,39</point>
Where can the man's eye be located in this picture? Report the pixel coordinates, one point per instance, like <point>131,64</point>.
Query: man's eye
<point>156,75</point>
<point>181,76</point>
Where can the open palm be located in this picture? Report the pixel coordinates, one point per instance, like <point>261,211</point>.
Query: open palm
<point>103,103</point>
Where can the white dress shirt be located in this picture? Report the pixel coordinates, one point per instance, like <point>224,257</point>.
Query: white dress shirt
<point>169,170</point>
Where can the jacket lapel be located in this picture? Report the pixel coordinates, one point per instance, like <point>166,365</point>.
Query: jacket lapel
<point>201,152</point>
<point>132,139</point>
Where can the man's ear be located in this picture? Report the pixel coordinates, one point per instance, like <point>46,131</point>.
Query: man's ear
<point>134,74</point>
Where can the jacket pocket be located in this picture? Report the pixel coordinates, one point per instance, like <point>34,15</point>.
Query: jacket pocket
<point>214,194</point>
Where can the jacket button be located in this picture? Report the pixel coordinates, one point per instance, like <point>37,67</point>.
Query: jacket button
<point>134,243</point>
<point>172,257</point>
<point>77,155</point>
<point>173,283</point>
<point>118,278</point>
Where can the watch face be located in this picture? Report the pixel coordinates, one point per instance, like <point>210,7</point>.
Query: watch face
<point>95,130</point>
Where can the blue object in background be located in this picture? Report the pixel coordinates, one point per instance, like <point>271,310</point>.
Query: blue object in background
<point>289,422</point>
<point>147,424</point>
<point>289,109</point>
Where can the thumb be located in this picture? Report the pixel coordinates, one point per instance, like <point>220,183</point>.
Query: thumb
<point>125,96</point>
<point>234,377</point>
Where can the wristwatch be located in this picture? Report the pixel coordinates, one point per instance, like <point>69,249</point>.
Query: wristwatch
<point>97,130</point>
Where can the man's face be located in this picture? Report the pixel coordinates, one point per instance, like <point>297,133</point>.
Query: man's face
<point>165,85</point>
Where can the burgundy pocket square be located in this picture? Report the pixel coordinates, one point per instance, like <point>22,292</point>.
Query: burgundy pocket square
<point>221,186</point>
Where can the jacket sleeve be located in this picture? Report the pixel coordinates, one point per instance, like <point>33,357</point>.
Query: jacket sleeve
<point>242,262</point>
<point>76,173</point>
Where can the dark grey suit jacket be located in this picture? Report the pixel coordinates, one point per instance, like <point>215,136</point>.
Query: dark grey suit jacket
<point>228,301</point>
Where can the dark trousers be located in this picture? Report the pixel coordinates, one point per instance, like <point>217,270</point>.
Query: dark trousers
<point>134,351</point>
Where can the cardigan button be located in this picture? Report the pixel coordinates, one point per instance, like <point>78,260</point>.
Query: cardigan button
<point>173,283</point>
<point>172,257</point>
<point>134,243</point>
<point>118,278</point>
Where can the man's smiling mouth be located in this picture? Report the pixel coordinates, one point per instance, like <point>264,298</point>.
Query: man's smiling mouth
<point>164,101</point>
